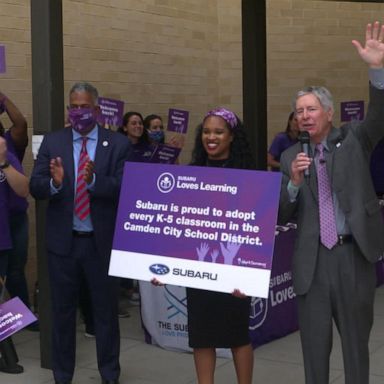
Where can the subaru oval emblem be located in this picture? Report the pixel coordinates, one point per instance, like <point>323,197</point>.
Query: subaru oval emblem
<point>159,269</point>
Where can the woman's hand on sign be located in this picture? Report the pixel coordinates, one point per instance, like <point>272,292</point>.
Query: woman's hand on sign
<point>237,293</point>
<point>156,282</point>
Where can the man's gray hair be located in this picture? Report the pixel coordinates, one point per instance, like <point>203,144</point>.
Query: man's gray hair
<point>322,94</point>
<point>83,86</point>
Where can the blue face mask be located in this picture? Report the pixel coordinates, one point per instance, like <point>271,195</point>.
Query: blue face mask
<point>156,136</point>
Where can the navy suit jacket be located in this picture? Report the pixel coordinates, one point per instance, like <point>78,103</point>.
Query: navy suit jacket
<point>112,151</point>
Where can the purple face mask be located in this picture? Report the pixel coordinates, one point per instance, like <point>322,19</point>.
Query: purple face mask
<point>82,120</point>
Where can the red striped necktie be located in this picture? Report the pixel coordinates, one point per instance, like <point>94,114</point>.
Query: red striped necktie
<point>82,209</point>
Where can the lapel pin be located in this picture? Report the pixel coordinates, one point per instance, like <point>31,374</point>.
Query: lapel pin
<point>105,143</point>
<point>338,144</point>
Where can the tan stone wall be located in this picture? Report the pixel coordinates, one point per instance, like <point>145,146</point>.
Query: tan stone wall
<point>309,43</point>
<point>157,54</point>
<point>154,55</point>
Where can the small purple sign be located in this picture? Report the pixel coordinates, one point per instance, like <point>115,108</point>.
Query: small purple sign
<point>352,110</point>
<point>178,120</point>
<point>2,59</point>
<point>111,112</point>
<point>14,316</point>
<point>165,154</point>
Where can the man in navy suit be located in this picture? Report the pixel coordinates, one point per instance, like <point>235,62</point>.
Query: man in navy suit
<point>79,170</point>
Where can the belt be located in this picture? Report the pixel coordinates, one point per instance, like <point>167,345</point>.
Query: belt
<point>344,239</point>
<point>82,234</point>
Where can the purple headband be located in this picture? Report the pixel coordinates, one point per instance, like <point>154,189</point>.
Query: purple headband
<point>224,113</point>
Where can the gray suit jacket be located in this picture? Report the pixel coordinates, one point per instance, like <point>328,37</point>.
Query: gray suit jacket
<point>350,147</point>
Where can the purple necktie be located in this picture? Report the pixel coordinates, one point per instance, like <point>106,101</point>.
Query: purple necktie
<point>328,232</point>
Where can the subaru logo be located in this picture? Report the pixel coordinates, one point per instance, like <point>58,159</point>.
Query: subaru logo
<point>159,269</point>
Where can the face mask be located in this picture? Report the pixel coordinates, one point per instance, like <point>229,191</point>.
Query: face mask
<point>82,120</point>
<point>156,136</point>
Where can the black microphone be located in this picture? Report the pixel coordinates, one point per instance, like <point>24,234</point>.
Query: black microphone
<point>304,140</point>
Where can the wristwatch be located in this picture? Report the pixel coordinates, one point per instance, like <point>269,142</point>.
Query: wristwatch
<point>4,165</point>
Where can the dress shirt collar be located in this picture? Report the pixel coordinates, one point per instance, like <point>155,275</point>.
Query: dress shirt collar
<point>91,135</point>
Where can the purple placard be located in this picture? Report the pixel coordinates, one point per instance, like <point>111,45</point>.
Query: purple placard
<point>178,120</point>
<point>165,154</point>
<point>185,193</point>
<point>111,111</point>
<point>352,110</point>
<point>14,316</point>
<point>2,59</point>
<point>276,316</point>
<point>197,224</point>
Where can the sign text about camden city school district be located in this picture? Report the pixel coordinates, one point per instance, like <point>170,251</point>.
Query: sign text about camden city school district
<point>182,221</point>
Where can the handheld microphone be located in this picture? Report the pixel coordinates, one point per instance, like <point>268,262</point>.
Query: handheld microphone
<point>304,140</point>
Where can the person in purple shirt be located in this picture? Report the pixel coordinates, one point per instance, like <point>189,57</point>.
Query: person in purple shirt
<point>12,180</point>
<point>16,138</point>
<point>281,142</point>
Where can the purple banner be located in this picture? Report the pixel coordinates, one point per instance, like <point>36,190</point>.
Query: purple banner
<point>14,316</point>
<point>165,154</point>
<point>111,112</point>
<point>352,110</point>
<point>2,59</point>
<point>276,316</point>
<point>178,120</point>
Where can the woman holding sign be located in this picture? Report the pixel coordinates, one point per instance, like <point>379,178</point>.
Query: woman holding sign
<point>215,319</point>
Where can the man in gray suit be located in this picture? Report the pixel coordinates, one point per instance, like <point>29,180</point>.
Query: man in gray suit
<point>337,244</point>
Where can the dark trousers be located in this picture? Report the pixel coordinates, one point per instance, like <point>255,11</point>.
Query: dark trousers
<point>85,306</point>
<point>342,291</point>
<point>66,275</point>
<point>17,257</point>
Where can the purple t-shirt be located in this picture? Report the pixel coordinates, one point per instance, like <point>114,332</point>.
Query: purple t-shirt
<point>5,193</point>
<point>19,152</point>
<point>17,204</point>
<point>280,143</point>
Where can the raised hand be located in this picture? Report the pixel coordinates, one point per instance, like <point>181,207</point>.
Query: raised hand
<point>373,51</point>
<point>202,251</point>
<point>230,251</point>
<point>214,255</point>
